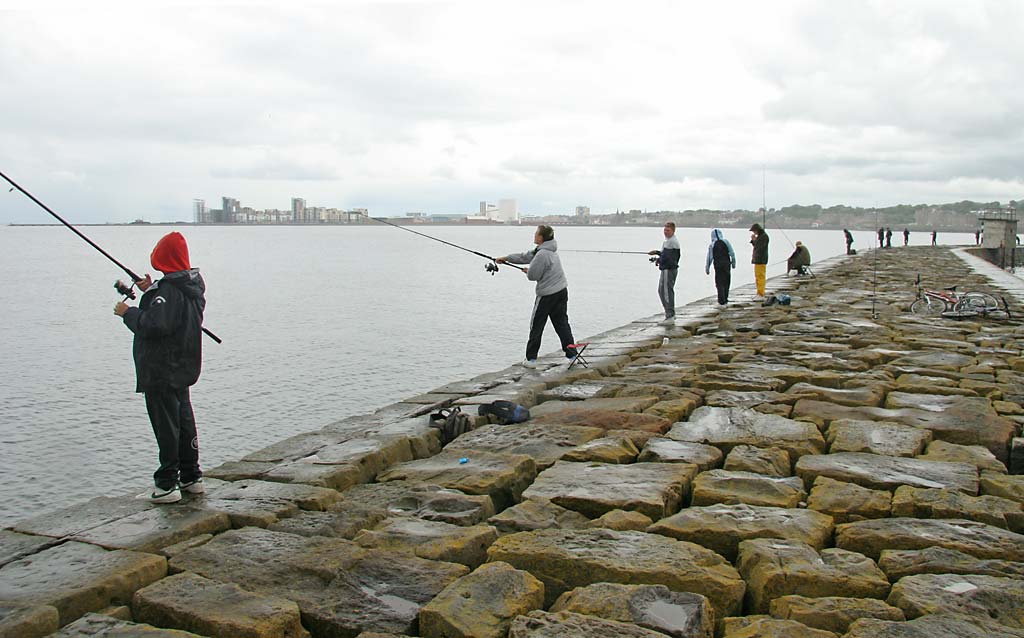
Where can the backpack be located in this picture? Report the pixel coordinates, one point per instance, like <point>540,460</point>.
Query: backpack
<point>451,422</point>
<point>720,254</point>
<point>504,412</point>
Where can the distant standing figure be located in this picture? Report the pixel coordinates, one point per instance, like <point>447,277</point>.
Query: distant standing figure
<point>881,238</point>
<point>977,237</point>
<point>552,293</point>
<point>720,254</point>
<point>888,238</point>
<point>668,264</point>
<point>906,236</point>
<point>934,234</point>
<point>759,240</point>
<point>849,241</point>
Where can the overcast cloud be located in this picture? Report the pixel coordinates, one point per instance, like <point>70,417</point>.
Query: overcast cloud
<point>116,112</point>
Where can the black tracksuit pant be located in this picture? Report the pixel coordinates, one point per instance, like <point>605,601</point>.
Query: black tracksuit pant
<point>174,424</point>
<point>554,306</point>
<point>723,279</point>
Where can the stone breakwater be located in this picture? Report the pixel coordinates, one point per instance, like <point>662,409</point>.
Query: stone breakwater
<point>836,467</point>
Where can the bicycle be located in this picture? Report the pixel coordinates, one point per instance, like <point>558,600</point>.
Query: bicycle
<point>952,304</point>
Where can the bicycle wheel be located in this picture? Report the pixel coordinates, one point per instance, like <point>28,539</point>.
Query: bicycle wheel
<point>978,301</point>
<point>927,307</point>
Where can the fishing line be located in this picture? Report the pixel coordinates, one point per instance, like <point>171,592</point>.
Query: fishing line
<point>447,243</point>
<point>126,269</point>
<point>616,252</point>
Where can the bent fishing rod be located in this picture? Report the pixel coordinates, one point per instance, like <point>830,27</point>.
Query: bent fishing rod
<point>491,267</point>
<point>121,288</point>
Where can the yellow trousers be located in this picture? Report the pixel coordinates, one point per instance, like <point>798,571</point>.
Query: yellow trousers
<point>759,277</point>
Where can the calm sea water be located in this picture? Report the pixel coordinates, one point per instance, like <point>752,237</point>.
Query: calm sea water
<point>318,323</point>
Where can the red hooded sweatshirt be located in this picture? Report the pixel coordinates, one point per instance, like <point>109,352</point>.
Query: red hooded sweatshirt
<point>170,254</point>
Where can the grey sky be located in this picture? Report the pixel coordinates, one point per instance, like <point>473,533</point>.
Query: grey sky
<point>115,112</point>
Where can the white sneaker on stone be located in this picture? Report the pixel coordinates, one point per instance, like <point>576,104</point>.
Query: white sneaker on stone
<point>529,363</point>
<point>194,487</point>
<point>668,320</point>
<point>158,495</point>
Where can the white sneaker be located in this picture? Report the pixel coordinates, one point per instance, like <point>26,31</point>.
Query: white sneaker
<point>195,487</point>
<point>158,495</point>
<point>668,320</point>
<point>529,363</point>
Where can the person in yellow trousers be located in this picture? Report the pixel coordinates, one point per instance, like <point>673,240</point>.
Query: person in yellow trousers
<point>759,240</point>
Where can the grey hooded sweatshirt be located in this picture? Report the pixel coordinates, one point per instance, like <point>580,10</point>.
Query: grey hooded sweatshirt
<point>721,261</point>
<point>545,267</point>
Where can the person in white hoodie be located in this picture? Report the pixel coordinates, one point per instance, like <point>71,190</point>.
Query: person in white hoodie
<point>722,257</point>
<point>552,293</point>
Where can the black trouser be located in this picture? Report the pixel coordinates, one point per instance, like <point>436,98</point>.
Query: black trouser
<point>174,424</point>
<point>723,278</point>
<point>556,307</point>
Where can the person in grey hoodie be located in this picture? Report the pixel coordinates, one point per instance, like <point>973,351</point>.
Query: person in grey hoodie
<point>552,293</point>
<point>720,253</point>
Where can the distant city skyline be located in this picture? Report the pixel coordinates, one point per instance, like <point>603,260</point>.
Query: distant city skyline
<point>117,112</point>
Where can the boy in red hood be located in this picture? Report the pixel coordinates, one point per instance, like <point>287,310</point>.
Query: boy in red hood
<point>168,356</point>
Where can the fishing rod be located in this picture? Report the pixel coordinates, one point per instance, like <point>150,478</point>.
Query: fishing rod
<point>491,267</point>
<point>121,288</point>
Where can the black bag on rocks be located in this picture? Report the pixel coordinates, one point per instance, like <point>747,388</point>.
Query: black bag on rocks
<point>451,422</point>
<point>504,412</point>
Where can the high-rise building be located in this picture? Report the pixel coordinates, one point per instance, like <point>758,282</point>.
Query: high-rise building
<point>583,211</point>
<point>200,214</point>
<point>299,215</point>
<point>507,210</point>
<point>229,210</point>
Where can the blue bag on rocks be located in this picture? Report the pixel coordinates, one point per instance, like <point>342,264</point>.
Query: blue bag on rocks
<point>504,412</point>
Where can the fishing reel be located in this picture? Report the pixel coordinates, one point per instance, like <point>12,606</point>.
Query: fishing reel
<point>124,289</point>
<point>491,267</point>
<point>656,260</point>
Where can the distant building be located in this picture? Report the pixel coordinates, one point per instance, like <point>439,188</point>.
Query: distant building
<point>230,209</point>
<point>200,214</point>
<point>507,210</point>
<point>583,211</point>
<point>299,215</point>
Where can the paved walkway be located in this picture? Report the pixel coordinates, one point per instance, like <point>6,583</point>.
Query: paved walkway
<point>835,467</point>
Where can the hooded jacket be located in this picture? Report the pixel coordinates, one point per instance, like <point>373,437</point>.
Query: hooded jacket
<point>545,267</point>
<point>168,344</point>
<point>723,257</point>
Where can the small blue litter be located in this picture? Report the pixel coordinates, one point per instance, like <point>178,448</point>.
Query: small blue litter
<point>463,460</point>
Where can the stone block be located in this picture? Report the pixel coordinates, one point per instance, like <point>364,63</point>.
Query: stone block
<point>739,380</point>
<point>82,516</point>
<point>193,603</point>
<point>734,399</point>
<point>432,540</point>
<point>662,450</point>
<point>1017,455</point>
<point>155,528</point>
<point>933,626</point>
<point>975,455</point>
<point>341,588</point>
<point>429,502</point>
<point>608,404</point>
<point>868,395</point>
<point>622,521</point>
<point>773,628</point>
<point>76,578</point>
<point>970,537</point>
<point>721,528</point>
<point>773,568</point>
<point>832,613</point>
<point>610,449</point>
<point>565,559</point>
<point>1001,599</point>
<point>876,471</point>
<point>14,545</point>
<point>305,497</point>
<point>656,607</point>
<point>915,502</point>
<point>674,409</point>
<point>876,437</point>
<point>726,428</point>
<point>534,514</point>
<point>100,626</point>
<point>770,461</point>
<point>848,502</point>
<point>606,420</point>
<point>541,624</point>
<point>996,484</point>
<point>482,604</point>
<point>897,563</point>
<point>344,522</point>
<point>503,477</point>
<point>653,489</point>
<point>731,488</point>
<point>545,444</point>
<point>28,622</point>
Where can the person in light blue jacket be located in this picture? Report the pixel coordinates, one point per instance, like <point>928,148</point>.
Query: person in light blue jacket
<point>720,254</point>
<point>552,293</point>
